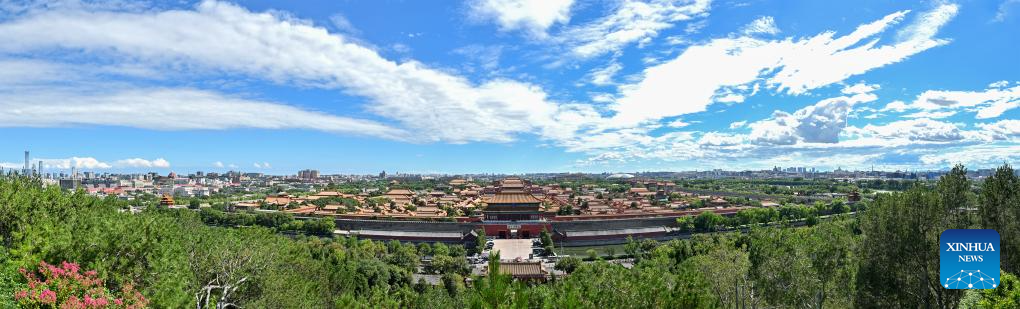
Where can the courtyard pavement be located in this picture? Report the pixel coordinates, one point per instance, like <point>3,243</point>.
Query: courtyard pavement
<point>510,249</point>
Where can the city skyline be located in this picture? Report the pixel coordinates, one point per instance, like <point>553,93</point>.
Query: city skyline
<point>65,168</point>
<point>478,87</point>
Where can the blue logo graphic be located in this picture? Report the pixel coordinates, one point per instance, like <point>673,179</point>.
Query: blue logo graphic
<point>969,259</point>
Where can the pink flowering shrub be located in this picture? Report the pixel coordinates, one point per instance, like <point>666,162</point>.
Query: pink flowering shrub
<point>67,287</point>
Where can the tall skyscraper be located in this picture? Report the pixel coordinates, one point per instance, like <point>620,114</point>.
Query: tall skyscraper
<point>27,170</point>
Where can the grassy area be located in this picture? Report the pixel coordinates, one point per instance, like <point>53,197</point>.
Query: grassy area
<point>583,251</point>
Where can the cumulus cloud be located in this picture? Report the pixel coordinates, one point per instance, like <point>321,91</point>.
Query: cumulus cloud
<point>76,162</point>
<point>139,162</point>
<point>1001,130</point>
<point>218,164</point>
<point>819,123</point>
<point>532,16</point>
<point>697,77</point>
<point>89,163</point>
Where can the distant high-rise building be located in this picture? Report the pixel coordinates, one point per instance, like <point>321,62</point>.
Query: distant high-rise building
<point>308,174</point>
<point>26,170</point>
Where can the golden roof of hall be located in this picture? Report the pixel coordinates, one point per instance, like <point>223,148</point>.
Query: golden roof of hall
<point>512,198</point>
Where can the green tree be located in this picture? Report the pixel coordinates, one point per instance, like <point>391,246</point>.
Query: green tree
<point>954,191</point>
<point>1000,210</point>
<point>808,267</point>
<point>445,264</point>
<point>424,249</point>
<point>480,241</point>
<point>439,249</point>
<point>900,251</point>
<point>1006,295</point>
<point>547,242</point>
<point>453,283</point>
<point>726,271</point>
<point>567,264</point>
<point>685,224</point>
<point>708,221</point>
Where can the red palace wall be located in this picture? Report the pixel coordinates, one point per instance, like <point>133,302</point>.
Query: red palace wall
<point>523,231</point>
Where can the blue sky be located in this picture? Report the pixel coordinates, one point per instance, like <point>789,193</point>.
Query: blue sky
<point>508,85</point>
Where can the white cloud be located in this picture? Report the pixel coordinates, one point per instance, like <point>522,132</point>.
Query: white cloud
<point>999,84</point>
<point>341,23</point>
<point>819,123</point>
<point>168,109</point>
<point>218,164</point>
<point>486,57</point>
<point>896,106</point>
<point>721,139</point>
<point>692,81</point>
<point>738,124</point>
<point>93,163</point>
<point>859,88</point>
<point>1004,9</point>
<point>139,162</point>
<point>762,25</point>
<point>923,129</point>
<point>931,114</point>
<point>631,21</point>
<point>990,103</point>
<point>263,165</point>
<point>532,16</point>
<point>604,76</point>
<point>222,37</point>
<point>983,155</point>
<point>76,162</point>
<point>677,124</point>
<point>1001,130</point>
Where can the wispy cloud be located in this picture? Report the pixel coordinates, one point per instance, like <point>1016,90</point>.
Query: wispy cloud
<point>988,103</point>
<point>704,73</point>
<point>437,105</point>
<point>631,22</point>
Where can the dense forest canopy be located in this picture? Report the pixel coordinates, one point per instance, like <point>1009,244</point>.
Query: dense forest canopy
<point>884,256</point>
